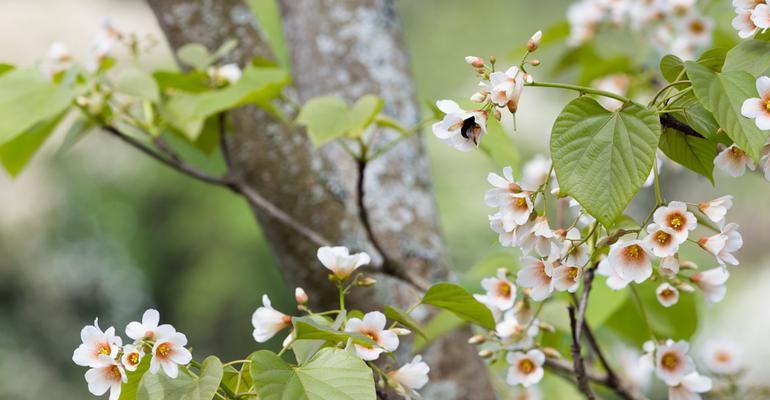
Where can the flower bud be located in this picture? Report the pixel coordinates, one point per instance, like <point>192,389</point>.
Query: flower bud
<point>503,271</point>
<point>477,339</point>
<point>528,78</point>
<point>401,331</point>
<point>687,265</point>
<point>365,281</point>
<point>479,97</point>
<point>300,296</point>
<point>486,353</point>
<point>685,287</point>
<point>513,105</point>
<point>476,62</point>
<point>492,60</point>
<point>550,352</point>
<point>498,115</point>
<point>534,41</point>
<point>546,327</point>
<point>534,62</point>
<point>556,192</point>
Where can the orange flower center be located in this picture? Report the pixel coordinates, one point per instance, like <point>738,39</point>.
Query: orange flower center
<point>504,289</point>
<point>114,373</point>
<point>526,366</point>
<point>103,348</point>
<point>767,104</point>
<point>573,273</point>
<point>633,253</point>
<point>663,238</point>
<point>164,349</point>
<point>722,356</point>
<point>133,358</point>
<point>371,335</point>
<point>667,293</point>
<point>520,202</point>
<point>736,152</point>
<point>697,27</point>
<point>669,361</point>
<point>676,221</point>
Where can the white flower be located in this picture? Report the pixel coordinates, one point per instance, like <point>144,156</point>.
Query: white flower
<point>57,59</point>
<point>340,261</point>
<point>267,321</point>
<point>501,293</point>
<point>106,374</point>
<point>567,278</point>
<point>132,356</point>
<point>476,62</point>
<point>506,87</point>
<point>669,266</point>
<point>583,17</point>
<point>618,84</point>
<point>168,353</point>
<point>300,296</point>
<point>228,73</point>
<point>373,326</point>
<point>410,377</point>
<point>761,16</point>
<point>614,281</point>
<point>515,204</point>
<point>506,238</point>
<point>723,244</point>
<point>633,368</point>
<point>460,129</point>
<point>662,241</point>
<point>676,217</point>
<point>698,29</point>
<point>672,363</point>
<point>716,209</point>
<point>526,369</point>
<point>712,283</point>
<point>667,294</point>
<point>511,328</point>
<point>630,260</point>
<point>572,253</point>
<point>759,107</point>
<point>104,44</point>
<point>537,275</point>
<point>537,235</point>
<point>535,172</point>
<point>527,393</point>
<point>722,357</point>
<point>733,161</point>
<point>534,41</point>
<point>746,4</point>
<point>689,388</point>
<point>148,329</point>
<point>744,24</point>
<point>96,343</point>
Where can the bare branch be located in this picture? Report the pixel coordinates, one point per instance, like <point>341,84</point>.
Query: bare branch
<point>579,368</point>
<point>564,369</point>
<point>669,121</point>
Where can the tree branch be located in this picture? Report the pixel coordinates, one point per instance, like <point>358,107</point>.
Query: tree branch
<point>567,371</point>
<point>669,121</point>
<point>577,358</point>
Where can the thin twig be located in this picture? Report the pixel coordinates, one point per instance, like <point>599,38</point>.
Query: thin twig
<point>669,121</point>
<point>578,364</point>
<point>224,147</point>
<point>564,369</point>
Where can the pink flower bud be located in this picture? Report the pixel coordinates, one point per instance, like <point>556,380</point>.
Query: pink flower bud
<point>300,296</point>
<point>534,41</point>
<point>476,62</point>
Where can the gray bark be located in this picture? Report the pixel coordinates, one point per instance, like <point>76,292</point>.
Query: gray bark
<point>346,48</point>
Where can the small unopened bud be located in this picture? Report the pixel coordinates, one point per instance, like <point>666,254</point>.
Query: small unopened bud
<point>534,41</point>
<point>479,97</point>
<point>547,327</point>
<point>401,331</point>
<point>503,271</point>
<point>492,60</point>
<point>486,353</point>
<point>687,265</point>
<point>550,352</point>
<point>513,105</point>
<point>528,78</point>
<point>477,339</point>
<point>365,281</point>
<point>534,62</point>
<point>300,296</point>
<point>498,115</point>
<point>81,101</point>
<point>556,192</point>
<point>685,287</point>
<point>476,62</point>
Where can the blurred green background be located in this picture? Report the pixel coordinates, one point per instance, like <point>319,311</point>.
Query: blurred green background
<point>102,231</point>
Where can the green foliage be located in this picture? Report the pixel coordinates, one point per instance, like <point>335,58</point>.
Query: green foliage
<point>304,349</point>
<point>193,81</point>
<point>454,298</point>
<point>693,152</point>
<point>330,374</point>
<point>603,303</point>
<point>671,67</point>
<point>723,94</point>
<point>15,154</point>
<point>128,390</point>
<point>197,55</point>
<point>404,319</point>
<point>203,387</point>
<point>307,328</point>
<point>26,99</point>
<point>499,146</point>
<point>752,56</point>
<point>602,158</point>
<point>138,83</point>
<point>188,111</point>
<point>328,117</point>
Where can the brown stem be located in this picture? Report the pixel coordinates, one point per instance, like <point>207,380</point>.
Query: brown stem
<point>578,364</point>
<point>564,369</point>
<point>669,121</point>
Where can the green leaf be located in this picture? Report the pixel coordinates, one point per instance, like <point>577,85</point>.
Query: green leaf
<point>404,319</point>
<point>331,374</point>
<point>188,111</point>
<point>194,81</point>
<point>602,304</point>
<point>441,324</point>
<point>129,389</point>
<point>695,153</point>
<point>723,94</point>
<point>137,83</point>
<point>500,147</point>
<point>713,59</point>
<point>701,119</point>
<point>230,378</point>
<point>15,154</point>
<point>305,349</point>
<point>670,67</point>
<point>307,328</point>
<point>27,98</point>
<point>602,158</point>
<point>268,15</point>
<point>6,68</point>
<point>752,56</point>
<point>225,49</point>
<point>79,128</point>
<point>454,298</point>
<point>195,55</point>
<point>329,117</point>
<point>183,387</point>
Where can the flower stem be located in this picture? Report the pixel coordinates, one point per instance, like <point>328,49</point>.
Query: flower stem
<point>656,182</point>
<point>581,89</point>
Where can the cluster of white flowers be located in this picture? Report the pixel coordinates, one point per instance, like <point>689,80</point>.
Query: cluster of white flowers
<point>59,58</point>
<point>733,160</point>
<point>672,26</point>
<point>676,369</point>
<point>463,129</point>
<point>268,321</point>
<point>632,260</point>
<point>751,16</point>
<point>108,360</point>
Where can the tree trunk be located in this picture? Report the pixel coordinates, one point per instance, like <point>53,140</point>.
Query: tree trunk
<point>346,48</point>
